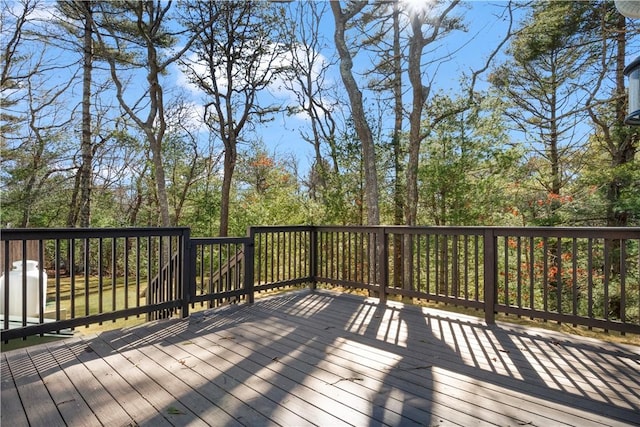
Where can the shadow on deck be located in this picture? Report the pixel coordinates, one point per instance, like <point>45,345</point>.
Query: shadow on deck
<point>320,358</point>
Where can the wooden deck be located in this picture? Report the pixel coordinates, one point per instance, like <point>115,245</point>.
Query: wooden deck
<point>319,358</point>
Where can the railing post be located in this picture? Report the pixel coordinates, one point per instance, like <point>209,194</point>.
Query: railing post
<point>490,267</point>
<point>313,257</point>
<point>188,269</point>
<point>249,265</point>
<point>382,248</point>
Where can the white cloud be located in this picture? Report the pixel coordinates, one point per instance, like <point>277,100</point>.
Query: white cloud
<point>281,86</point>
<point>43,11</point>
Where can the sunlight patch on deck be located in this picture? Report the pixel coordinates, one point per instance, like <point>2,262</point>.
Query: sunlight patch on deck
<point>313,305</point>
<point>392,329</point>
<point>365,315</point>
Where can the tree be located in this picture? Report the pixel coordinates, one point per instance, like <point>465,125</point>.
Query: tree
<point>185,160</point>
<point>307,79</point>
<point>383,27</point>
<point>267,192</point>
<point>463,163</point>
<point>236,56</point>
<point>35,123</point>
<point>420,93</point>
<point>544,86</point>
<point>80,210</point>
<point>613,137</point>
<point>136,35</point>
<point>363,130</point>
<point>37,153</point>
<point>13,70</point>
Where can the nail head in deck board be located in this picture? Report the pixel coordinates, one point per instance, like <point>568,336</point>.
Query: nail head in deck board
<point>314,357</point>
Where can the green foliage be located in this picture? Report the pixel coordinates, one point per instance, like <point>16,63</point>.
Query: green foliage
<point>627,179</point>
<point>473,169</point>
<point>267,193</point>
<point>31,180</point>
<point>460,177</point>
<point>546,82</point>
<point>568,276</point>
<point>553,26</point>
<point>137,28</point>
<point>342,199</point>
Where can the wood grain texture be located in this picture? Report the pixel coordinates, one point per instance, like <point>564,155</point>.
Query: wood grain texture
<point>321,358</point>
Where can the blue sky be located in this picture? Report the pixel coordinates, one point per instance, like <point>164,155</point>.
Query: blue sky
<point>468,51</point>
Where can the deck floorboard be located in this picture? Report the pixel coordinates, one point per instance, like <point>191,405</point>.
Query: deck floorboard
<point>321,358</point>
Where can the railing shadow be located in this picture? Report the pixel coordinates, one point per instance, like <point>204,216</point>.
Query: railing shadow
<point>296,357</point>
<point>520,364</point>
<point>430,353</point>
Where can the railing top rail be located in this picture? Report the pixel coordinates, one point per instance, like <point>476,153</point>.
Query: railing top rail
<point>57,233</point>
<point>359,228</point>
<point>272,228</point>
<point>593,232</point>
<point>219,240</point>
<point>79,233</point>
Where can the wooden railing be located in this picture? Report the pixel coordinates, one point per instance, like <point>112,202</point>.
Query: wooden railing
<point>221,271</point>
<point>92,276</point>
<point>582,276</point>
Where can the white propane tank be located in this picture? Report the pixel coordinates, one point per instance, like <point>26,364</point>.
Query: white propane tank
<point>15,289</point>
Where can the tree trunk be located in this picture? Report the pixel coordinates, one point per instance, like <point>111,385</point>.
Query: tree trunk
<point>554,158</point>
<point>416,44</point>
<point>230,157</point>
<point>625,141</point>
<point>159,176</point>
<point>154,125</point>
<point>414,154</point>
<point>398,151</point>
<point>87,148</point>
<point>403,259</point>
<point>362,127</point>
